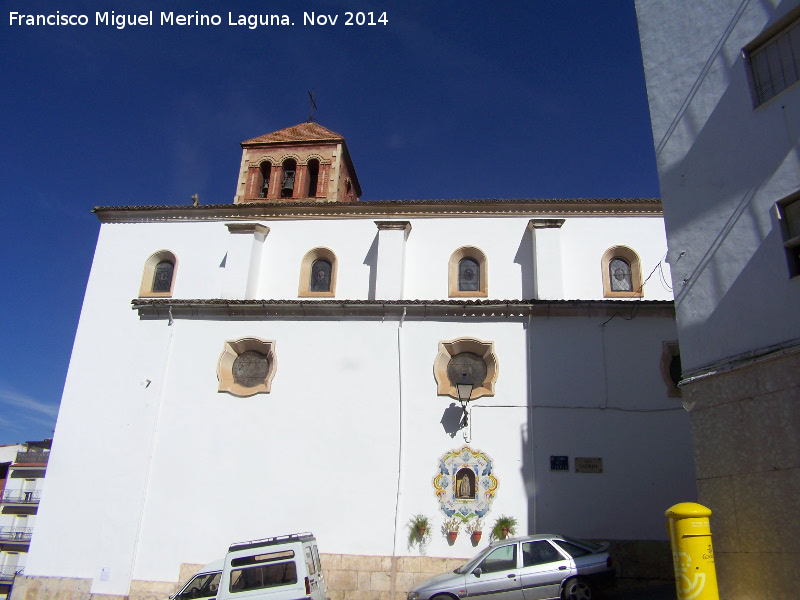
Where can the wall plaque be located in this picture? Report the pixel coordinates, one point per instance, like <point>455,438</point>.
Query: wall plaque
<point>588,465</point>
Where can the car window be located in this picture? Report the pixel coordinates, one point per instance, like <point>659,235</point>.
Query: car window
<point>572,549</point>
<point>539,553</point>
<point>503,558</point>
<point>202,586</point>
<point>310,562</point>
<point>264,576</point>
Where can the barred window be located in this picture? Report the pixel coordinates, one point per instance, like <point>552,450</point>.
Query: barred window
<point>162,277</point>
<point>789,210</point>
<point>320,276</point>
<point>469,274</point>
<point>776,64</point>
<point>620,275</point>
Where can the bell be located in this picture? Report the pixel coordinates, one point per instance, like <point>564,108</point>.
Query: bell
<point>288,182</point>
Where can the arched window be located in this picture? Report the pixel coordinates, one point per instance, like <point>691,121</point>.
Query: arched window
<point>162,278</point>
<point>318,274</point>
<point>622,273</point>
<point>313,178</point>
<point>619,272</point>
<point>287,183</point>
<point>467,273</point>
<point>266,171</point>
<point>158,278</point>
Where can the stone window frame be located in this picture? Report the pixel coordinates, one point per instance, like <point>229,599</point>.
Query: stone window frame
<point>450,348</point>
<point>305,273</point>
<point>630,256</point>
<point>669,352</point>
<point>231,351</point>
<point>477,255</point>
<point>791,231</point>
<point>146,287</point>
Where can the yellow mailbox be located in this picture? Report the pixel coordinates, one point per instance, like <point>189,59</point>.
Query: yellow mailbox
<point>692,553</point>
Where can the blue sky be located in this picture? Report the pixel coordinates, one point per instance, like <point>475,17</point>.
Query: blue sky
<point>450,99</point>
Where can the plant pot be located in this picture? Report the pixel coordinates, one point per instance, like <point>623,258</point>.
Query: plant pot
<point>452,535</point>
<point>504,531</point>
<point>421,532</point>
<point>476,536</point>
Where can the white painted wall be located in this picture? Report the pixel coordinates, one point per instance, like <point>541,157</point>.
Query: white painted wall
<point>152,467</point>
<point>722,166</point>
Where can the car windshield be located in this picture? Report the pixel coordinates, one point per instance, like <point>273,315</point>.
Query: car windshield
<point>594,547</point>
<point>470,564</point>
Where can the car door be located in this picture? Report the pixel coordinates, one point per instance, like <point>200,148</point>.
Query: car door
<point>543,570</point>
<point>497,576</point>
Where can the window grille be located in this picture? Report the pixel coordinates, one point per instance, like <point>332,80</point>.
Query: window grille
<point>469,275</point>
<point>162,277</point>
<point>776,64</point>
<point>620,275</point>
<point>320,276</point>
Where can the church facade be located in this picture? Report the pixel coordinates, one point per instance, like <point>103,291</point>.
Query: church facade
<point>305,360</point>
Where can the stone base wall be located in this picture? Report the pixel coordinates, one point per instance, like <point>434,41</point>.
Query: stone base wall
<point>745,428</point>
<point>355,577</point>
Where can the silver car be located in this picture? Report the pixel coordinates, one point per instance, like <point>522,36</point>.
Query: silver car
<point>537,567</point>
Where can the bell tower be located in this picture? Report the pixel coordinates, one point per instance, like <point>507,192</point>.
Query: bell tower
<point>302,163</point>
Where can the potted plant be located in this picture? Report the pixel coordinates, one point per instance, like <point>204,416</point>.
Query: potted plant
<point>475,529</point>
<point>503,527</point>
<point>451,528</point>
<point>418,527</point>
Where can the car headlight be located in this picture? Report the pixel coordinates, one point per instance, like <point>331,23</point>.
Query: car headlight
<point>412,596</point>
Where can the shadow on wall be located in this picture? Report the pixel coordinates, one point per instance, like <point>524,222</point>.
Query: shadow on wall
<point>524,258</point>
<point>371,260</point>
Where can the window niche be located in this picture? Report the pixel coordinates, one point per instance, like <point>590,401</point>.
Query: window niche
<point>287,182</point>
<point>318,274</point>
<point>468,273</point>
<point>247,367</point>
<point>671,368</point>
<point>158,277</point>
<point>265,171</point>
<point>789,215</point>
<point>622,273</point>
<point>469,356</point>
<point>312,180</point>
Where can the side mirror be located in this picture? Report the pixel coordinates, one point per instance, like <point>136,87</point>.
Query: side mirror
<point>477,571</point>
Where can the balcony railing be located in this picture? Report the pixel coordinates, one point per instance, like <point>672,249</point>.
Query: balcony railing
<point>21,496</point>
<point>8,573</point>
<point>16,534</point>
<point>31,458</point>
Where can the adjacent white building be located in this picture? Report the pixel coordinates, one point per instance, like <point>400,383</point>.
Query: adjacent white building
<point>725,108</point>
<point>22,471</point>
<point>289,362</point>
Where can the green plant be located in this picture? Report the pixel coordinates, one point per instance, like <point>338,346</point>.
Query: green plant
<point>418,529</point>
<point>475,526</point>
<point>503,527</point>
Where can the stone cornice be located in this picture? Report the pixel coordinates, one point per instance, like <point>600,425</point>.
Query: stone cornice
<point>382,209</point>
<point>495,310</point>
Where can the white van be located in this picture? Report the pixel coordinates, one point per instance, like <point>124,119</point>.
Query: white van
<point>286,567</point>
<point>203,585</point>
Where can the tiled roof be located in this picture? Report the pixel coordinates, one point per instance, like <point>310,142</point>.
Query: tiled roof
<point>302,132</point>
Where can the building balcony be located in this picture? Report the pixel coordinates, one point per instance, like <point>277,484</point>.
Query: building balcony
<point>20,535</point>
<point>7,574</point>
<point>21,497</point>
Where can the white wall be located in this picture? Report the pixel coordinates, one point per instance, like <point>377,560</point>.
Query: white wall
<point>151,467</point>
<point>722,166</point>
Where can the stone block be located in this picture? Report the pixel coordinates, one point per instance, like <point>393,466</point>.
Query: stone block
<point>364,580</point>
<point>342,580</point>
<point>718,495</point>
<point>404,582</point>
<point>740,576</point>
<point>381,582</point>
<point>335,594</point>
<point>330,561</point>
<point>781,576</point>
<point>720,441</point>
<point>187,571</point>
<point>371,563</point>
<point>772,423</point>
<point>351,562</point>
<point>386,564</point>
<point>151,590</point>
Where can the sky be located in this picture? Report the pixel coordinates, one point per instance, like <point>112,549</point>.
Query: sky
<point>438,99</point>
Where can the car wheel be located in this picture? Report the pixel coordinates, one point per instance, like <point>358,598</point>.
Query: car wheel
<point>577,589</point>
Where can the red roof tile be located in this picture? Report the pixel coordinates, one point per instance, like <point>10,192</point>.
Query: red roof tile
<point>302,132</point>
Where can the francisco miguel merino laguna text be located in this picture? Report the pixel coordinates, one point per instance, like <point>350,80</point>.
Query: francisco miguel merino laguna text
<point>112,19</point>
